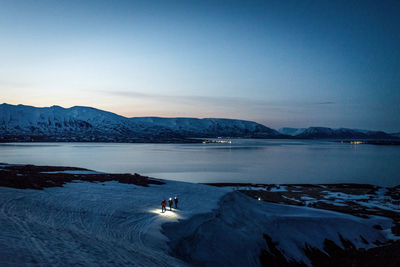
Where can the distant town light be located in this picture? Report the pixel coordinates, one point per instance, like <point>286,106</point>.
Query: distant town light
<point>356,142</point>
<point>217,141</point>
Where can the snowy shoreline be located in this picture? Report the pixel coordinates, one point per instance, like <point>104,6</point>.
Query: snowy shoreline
<point>106,222</point>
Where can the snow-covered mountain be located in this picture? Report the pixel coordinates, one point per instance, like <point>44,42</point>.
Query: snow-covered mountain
<point>55,123</point>
<point>342,133</point>
<point>209,127</point>
<point>329,133</point>
<point>77,123</point>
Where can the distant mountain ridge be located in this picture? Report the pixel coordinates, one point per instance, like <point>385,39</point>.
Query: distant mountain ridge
<point>86,124</point>
<point>396,134</point>
<point>329,133</point>
<point>27,123</point>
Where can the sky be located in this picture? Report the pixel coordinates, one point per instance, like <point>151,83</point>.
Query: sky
<point>280,63</point>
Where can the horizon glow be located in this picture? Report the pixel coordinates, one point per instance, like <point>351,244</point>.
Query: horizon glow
<point>282,64</point>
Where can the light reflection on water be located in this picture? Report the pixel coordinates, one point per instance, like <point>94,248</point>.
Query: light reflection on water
<point>245,160</point>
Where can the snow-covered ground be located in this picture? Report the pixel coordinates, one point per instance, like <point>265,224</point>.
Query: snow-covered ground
<point>110,223</point>
<point>95,223</point>
<point>233,235</point>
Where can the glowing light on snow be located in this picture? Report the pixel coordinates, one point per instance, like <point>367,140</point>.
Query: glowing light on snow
<point>170,214</point>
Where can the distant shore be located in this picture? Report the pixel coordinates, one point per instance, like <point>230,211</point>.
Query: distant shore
<point>231,140</point>
<point>372,142</point>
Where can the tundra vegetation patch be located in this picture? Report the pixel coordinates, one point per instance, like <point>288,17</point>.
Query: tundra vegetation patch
<point>39,177</point>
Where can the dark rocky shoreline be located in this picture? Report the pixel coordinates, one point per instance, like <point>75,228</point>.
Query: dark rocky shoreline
<point>39,177</point>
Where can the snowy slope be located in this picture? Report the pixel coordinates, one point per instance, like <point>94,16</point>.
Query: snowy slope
<point>88,124</point>
<point>57,120</point>
<point>93,224</point>
<point>233,234</point>
<point>291,131</point>
<point>118,224</point>
<point>209,127</point>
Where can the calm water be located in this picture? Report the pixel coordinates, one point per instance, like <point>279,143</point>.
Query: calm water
<point>245,160</point>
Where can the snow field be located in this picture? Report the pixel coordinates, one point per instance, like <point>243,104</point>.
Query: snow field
<point>95,223</point>
<point>233,234</point>
<point>110,223</point>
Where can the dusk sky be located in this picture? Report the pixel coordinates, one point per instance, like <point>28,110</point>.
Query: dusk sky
<point>280,63</point>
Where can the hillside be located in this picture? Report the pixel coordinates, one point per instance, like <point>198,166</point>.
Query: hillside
<point>27,123</point>
<point>86,124</point>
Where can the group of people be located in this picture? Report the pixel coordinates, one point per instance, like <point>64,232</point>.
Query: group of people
<point>164,204</point>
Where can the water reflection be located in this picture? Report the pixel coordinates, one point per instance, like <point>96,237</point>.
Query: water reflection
<point>257,161</point>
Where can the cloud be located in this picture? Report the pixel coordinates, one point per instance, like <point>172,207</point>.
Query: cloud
<point>325,103</point>
<point>197,100</point>
<point>218,100</point>
<point>228,101</point>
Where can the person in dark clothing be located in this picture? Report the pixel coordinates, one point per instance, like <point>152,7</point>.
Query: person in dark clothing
<point>170,203</point>
<point>176,202</point>
<point>163,205</point>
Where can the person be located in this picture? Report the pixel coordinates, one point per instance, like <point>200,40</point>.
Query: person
<point>170,203</point>
<point>176,202</point>
<point>163,205</point>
